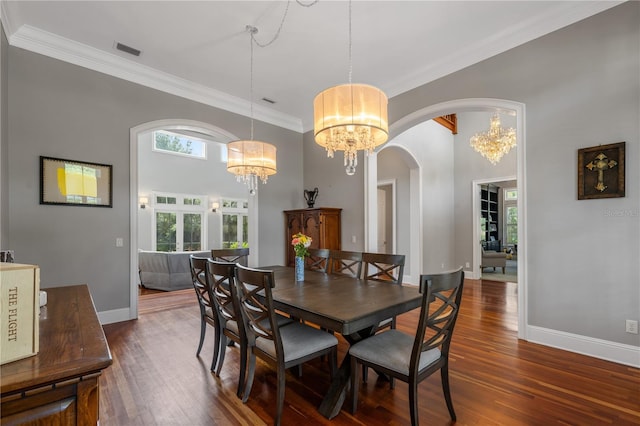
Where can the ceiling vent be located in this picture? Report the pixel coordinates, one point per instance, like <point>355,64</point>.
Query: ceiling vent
<point>127,49</point>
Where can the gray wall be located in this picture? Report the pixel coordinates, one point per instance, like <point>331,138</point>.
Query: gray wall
<point>336,189</point>
<point>431,147</point>
<point>61,110</point>
<point>580,86</point>
<point>4,141</point>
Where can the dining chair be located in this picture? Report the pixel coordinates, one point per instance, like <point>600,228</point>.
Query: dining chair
<point>198,267</point>
<point>237,255</point>
<point>414,358</point>
<point>231,327</point>
<point>386,268</point>
<point>346,263</point>
<point>280,347</point>
<point>318,259</point>
<point>226,301</point>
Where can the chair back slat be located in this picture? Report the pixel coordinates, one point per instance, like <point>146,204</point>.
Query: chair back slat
<point>318,259</point>
<point>384,267</point>
<point>239,255</point>
<point>220,275</point>
<point>346,263</point>
<point>198,267</point>
<point>259,317</point>
<point>441,295</point>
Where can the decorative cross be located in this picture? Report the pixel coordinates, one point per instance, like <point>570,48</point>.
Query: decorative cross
<point>600,164</point>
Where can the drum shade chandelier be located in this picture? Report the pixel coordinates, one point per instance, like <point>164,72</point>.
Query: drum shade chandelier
<point>495,142</point>
<point>251,160</point>
<point>350,117</point>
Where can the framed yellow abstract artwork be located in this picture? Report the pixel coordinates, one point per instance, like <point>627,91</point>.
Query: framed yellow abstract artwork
<point>75,183</point>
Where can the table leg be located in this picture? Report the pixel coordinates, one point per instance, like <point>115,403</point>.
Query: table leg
<point>332,402</point>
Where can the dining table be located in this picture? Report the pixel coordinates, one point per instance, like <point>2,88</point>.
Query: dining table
<point>350,306</point>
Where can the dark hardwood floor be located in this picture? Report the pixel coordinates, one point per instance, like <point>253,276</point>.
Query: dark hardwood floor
<point>156,379</point>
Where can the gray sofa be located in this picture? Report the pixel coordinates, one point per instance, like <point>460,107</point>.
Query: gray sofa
<point>166,270</point>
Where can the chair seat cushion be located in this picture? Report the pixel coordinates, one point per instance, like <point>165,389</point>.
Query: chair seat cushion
<point>392,350</point>
<point>233,325</point>
<point>298,341</point>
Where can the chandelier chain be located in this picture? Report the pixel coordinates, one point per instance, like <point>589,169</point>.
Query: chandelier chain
<point>252,31</point>
<point>307,5</point>
<point>277,34</point>
<point>350,45</point>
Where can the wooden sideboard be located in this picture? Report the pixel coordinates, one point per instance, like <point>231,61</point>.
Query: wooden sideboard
<point>59,385</point>
<point>322,224</point>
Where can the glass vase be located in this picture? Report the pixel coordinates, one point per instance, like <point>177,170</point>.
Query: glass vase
<point>299,268</point>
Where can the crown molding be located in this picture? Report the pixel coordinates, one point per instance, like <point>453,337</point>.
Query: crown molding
<point>7,24</point>
<point>63,49</point>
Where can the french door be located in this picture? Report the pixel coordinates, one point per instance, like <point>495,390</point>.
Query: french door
<point>179,231</point>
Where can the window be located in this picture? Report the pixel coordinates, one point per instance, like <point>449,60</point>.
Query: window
<point>511,216</point>
<point>179,222</point>
<point>177,144</point>
<point>235,223</point>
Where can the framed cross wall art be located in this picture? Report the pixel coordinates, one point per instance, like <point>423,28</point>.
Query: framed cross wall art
<point>601,171</point>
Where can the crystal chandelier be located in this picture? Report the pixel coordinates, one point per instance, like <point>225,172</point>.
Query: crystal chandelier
<point>251,160</point>
<point>495,142</point>
<point>350,117</point>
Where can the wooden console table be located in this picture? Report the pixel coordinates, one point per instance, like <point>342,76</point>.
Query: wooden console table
<point>59,385</point>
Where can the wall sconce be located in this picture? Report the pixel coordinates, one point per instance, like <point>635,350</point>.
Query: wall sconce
<point>143,202</point>
<point>215,206</point>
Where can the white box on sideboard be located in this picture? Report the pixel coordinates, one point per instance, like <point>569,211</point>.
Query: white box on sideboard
<point>19,311</point>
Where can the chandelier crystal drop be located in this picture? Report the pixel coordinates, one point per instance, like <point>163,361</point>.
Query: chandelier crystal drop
<point>350,118</point>
<point>250,160</point>
<point>495,142</point>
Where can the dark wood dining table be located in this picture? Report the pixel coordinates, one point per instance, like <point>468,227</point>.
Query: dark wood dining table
<point>346,305</point>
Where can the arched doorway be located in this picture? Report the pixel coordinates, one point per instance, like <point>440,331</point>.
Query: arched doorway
<point>208,131</point>
<point>450,107</point>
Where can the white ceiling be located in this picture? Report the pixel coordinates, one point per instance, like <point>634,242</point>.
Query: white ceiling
<point>201,50</point>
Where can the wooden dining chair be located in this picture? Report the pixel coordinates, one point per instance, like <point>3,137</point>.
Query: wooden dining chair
<point>231,327</point>
<point>414,358</point>
<point>237,255</point>
<point>281,347</point>
<point>318,259</point>
<point>386,268</point>
<point>346,263</point>
<point>198,267</point>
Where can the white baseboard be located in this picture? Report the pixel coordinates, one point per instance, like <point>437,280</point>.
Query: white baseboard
<point>115,315</point>
<point>597,348</point>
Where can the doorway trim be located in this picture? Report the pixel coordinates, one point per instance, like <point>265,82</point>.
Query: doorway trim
<point>476,273</point>
<point>450,107</point>
<point>392,184</point>
<point>169,124</point>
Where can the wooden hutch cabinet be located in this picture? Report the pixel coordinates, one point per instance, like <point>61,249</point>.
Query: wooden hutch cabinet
<point>322,224</point>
